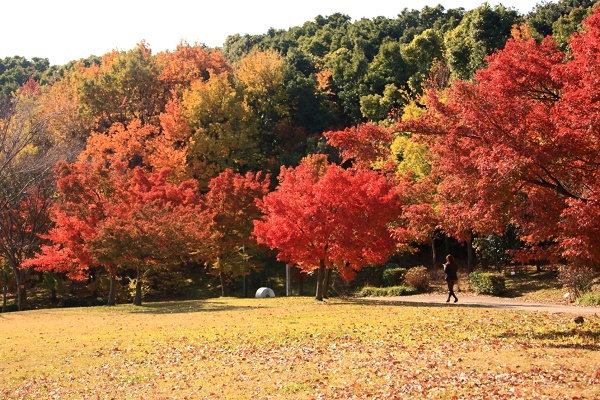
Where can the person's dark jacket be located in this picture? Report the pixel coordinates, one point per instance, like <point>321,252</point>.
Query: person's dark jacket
<point>450,270</point>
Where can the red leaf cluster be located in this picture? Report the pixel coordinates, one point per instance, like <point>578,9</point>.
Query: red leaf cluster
<point>336,216</point>
<point>364,144</point>
<point>519,145</point>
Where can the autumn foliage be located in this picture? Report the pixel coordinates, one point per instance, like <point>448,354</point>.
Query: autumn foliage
<point>364,145</point>
<point>323,217</point>
<point>116,209</point>
<point>232,204</point>
<point>519,146</point>
<point>226,159</point>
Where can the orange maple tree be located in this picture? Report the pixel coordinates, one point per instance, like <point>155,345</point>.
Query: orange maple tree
<point>118,208</point>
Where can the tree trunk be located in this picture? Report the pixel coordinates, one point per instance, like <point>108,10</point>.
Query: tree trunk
<point>433,253</point>
<point>4,294</point>
<point>301,285</point>
<point>22,297</point>
<point>485,264</point>
<point>327,282</point>
<point>470,256</point>
<point>137,299</point>
<point>222,279</point>
<point>112,291</point>
<point>20,275</point>
<point>320,279</point>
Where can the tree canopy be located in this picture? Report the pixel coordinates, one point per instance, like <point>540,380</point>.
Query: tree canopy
<point>333,146</point>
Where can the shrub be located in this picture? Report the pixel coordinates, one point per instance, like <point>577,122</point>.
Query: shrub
<point>417,277</point>
<point>403,290</point>
<point>488,282</point>
<point>87,302</point>
<point>393,276</point>
<point>589,299</point>
<point>578,280</point>
<point>11,308</point>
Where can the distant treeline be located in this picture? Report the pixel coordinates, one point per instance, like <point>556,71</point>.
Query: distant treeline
<point>371,62</point>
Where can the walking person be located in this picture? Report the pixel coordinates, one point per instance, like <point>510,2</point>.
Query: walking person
<point>451,277</point>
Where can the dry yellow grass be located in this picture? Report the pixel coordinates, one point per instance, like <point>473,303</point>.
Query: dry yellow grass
<point>296,348</point>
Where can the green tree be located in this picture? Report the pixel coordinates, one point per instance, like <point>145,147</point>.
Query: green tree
<point>420,55</point>
<point>348,70</point>
<point>481,32</point>
<point>308,107</point>
<point>388,67</point>
<point>546,13</point>
<point>16,71</point>
<point>379,107</point>
<point>566,25</point>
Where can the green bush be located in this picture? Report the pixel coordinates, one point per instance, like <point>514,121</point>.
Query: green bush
<point>589,299</point>
<point>402,290</point>
<point>488,282</point>
<point>393,276</point>
<point>370,291</point>
<point>417,277</point>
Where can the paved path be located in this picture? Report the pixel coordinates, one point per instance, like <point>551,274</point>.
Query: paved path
<point>439,300</point>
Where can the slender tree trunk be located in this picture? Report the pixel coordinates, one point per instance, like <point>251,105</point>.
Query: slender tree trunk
<point>22,297</point>
<point>485,264</point>
<point>320,279</point>
<point>222,279</point>
<point>470,256</point>
<point>20,275</point>
<point>4,294</point>
<point>137,299</point>
<point>327,282</point>
<point>112,291</point>
<point>433,253</point>
<point>301,285</point>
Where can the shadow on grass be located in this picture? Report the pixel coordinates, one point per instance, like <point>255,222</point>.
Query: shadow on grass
<point>480,304</point>
<point>562,339</point>
<point>529,281</point>
<point>375,302</point>
<point>192,306</point>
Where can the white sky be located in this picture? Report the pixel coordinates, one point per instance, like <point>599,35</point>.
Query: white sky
<point>65,30</point>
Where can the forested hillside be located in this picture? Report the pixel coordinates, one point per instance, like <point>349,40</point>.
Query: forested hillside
<point>133,169</point>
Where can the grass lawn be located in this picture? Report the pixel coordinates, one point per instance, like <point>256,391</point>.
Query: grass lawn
<point>296,348</point>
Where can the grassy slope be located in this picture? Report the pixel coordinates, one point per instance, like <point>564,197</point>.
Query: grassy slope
<point>296,348</point>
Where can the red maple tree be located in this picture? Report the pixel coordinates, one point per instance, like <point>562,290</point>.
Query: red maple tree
<point>231,201</point>
<point>519,144</point>
<point>322,216</point>
<point>121,220</point>
<point>364,144</point>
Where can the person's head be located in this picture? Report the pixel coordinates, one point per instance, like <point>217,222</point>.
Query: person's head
<point>450,259</point>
